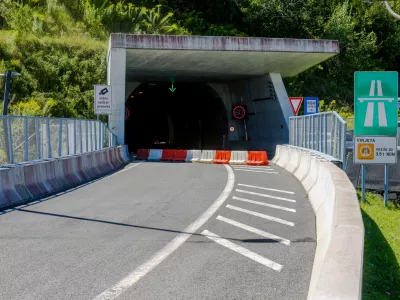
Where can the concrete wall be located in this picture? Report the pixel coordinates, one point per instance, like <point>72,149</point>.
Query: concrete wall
<point>116,75</point>
<point>268,119</point>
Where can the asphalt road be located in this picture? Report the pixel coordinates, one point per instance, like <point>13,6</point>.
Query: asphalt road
<point>163,231</point>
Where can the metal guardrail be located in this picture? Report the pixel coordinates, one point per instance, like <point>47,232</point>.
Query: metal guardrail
<point>25,139</point>
<point>323,132</point>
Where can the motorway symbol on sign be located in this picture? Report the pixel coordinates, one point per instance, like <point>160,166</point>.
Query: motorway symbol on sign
<point>310,105</point>
<point>296,102</point>
<point>380,88</point>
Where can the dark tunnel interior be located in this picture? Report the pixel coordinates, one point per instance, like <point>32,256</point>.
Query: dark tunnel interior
<point>191,117</point>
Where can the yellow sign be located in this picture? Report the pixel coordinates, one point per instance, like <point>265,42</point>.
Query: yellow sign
<point>366,151</point>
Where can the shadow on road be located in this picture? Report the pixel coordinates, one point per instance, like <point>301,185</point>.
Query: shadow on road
<point>139,227</point>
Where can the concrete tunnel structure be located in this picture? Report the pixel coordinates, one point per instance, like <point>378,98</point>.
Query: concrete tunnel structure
<point>210,75</point>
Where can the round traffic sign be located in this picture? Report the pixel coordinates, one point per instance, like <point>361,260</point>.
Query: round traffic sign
<point>239,112</point>
<point>232,129</point>
<point>127,113</point>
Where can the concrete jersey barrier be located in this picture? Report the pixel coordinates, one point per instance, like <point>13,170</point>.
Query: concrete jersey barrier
<point>25,182</point>
<point>338,262</point>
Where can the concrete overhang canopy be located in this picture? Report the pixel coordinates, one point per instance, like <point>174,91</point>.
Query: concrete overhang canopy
<point>216,58</point>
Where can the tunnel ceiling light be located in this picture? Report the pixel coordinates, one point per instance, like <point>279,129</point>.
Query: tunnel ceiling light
<point>132,96</point>
<point>140,92</point>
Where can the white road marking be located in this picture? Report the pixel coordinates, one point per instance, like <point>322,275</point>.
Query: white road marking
<point>264,204</point>
<point>243,251</point>
<point>254,213</point>
<point>139,272</point>
<point>256,171</point>
<point>254,230</point>
<point>252,167</point>
<point>267,189</point>
<point>266,196</point>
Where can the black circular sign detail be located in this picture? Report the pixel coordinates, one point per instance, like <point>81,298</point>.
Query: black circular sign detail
<point>239,112</point>
<point>127,113</point>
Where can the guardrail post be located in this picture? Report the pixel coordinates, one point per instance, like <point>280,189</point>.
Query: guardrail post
<point>38,146</point>
<point>87,136</point>
<point>74,136</point>
<point>326,132</point>
<point>50,155</point>
<point>60,140</point>
<point>10,141</point>
<point>312,133</point>
<point>81,136</point>
<point>95,134</point>
<point>26,135</point>
<point>67,137</point>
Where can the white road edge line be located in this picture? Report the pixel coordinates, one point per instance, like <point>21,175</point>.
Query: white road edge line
<point>264,204</point>
<point>267,189</point>
<point>127,282</point>
<point>252,168</point>
<point>256,171</point>
<point>243,251</point>
<point>266,196</point>
<point>255,230</point>
<point>254,213</point>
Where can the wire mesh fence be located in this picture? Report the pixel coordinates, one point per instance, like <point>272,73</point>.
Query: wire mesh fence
<point>33,138</point>
<point>323,132</point>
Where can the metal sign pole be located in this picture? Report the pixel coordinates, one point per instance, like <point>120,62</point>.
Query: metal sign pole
<point>363,183</point>
<point>386,197</point>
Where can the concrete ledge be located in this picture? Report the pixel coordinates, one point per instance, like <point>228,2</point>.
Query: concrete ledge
<point>338,262</point>
<point>33,180</point>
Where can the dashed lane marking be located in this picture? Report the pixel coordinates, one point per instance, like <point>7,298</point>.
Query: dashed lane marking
<point>266,196</point>
<point>243,251</point>
<point>257,214</point>
<point>132,278</point>
<point>255,230</point>
<point>264,204</point>
<point>267,172</point>
<point>266,189</point>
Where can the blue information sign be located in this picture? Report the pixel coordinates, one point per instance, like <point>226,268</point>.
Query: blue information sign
<point>310,105</point>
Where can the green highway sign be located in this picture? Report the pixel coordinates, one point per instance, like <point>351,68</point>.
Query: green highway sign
<point>375,103</point>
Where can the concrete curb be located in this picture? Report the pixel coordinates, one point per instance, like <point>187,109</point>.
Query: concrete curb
<point>26,182</point>
<point>338,262</point>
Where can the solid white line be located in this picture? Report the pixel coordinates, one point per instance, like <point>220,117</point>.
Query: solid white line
<point>266,196</point>
<point>267,189</point>
<point>255,230</point>
<point>264,204</point>
<point>253,213</point>
<point>252,169</point>
<point>256,171</point>
<point>243,251</point>
<point>138,273</point>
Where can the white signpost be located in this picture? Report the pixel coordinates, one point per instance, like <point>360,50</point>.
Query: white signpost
<point>102,100</point>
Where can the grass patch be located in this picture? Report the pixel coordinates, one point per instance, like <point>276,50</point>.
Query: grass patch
<point>381,279</point>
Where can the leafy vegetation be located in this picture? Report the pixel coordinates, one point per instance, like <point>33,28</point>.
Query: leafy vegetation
<point>60,46</point>
<point>381,279</point>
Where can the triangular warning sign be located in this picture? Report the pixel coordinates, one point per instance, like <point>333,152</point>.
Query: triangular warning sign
<point>296,102</point>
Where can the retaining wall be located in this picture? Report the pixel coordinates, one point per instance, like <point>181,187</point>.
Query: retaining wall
<point>25,182</point>
<point>338,262</point>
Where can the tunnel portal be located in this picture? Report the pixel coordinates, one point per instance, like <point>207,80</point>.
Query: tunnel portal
<point>188,116</point>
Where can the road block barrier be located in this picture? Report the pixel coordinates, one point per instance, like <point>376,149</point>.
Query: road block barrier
<point>338,262</point>
<point>239,158</point>
<point>222,157</point>
<point>142,154</point>
<point>180,155</point>
<point>155,155</point>
<point>258,158</point>
<point>207,156</point>
<point>193,155</point>
<point>167,155</point>
<point>34,180</point>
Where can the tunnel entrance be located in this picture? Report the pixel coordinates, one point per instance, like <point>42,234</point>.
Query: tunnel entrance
<point>190,117</point>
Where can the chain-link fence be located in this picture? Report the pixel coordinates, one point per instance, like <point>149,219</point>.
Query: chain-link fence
<point>33,138</point>
<point>323,132</point>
